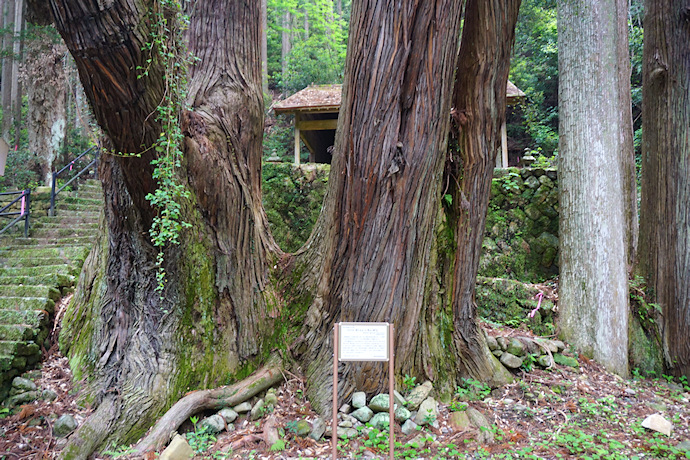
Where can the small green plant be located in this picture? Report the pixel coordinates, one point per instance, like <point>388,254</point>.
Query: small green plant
<point>458,406</point>
<point>510,183</point>
<point>409,382</point>
<point>472,390</point>
<point>377,439</point>
<point>201,438</point>
<point>528,362</point>
<point>278,446</point>
<point>118,451</point>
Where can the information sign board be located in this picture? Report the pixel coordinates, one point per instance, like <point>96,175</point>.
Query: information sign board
<point>363,342</point>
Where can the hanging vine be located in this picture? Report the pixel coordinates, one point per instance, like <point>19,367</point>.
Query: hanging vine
<point>168,48</point>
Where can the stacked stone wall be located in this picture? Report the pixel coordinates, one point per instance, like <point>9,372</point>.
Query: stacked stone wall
<point>521,235</point>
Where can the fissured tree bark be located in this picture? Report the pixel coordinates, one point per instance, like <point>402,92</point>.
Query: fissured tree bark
<point>232,297</point>
<point>664,251</point>
<point>479,100</point>
<point>595,143</point>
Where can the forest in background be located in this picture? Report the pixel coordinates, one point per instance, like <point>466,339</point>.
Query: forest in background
<point>305,44</point>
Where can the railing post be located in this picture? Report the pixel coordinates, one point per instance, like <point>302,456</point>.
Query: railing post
<point>27,212</point>
<point>51,212</point>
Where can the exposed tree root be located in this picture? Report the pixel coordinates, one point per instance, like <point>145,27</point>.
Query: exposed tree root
<point>217,398</point>
<point>92,432</point>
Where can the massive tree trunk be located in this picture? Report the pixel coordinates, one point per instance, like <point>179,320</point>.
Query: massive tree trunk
<point>594,143</point>
<point>664,252</point>
<point>479,111</point>
<point>232,296</point>
<point>46,83</point>
<point>384,191</point>
<point>212,318</point>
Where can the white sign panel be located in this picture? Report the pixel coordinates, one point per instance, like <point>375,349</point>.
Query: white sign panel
<point>363,342</point>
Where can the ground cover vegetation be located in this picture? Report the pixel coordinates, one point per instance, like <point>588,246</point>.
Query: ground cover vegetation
<point>215,297</point>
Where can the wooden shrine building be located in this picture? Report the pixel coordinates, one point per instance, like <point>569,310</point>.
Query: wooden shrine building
<point>316,117</point>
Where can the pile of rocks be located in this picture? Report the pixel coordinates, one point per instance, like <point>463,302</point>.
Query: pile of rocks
<point>24,390</point>
<point>417,409</point>
<point>513,352</point>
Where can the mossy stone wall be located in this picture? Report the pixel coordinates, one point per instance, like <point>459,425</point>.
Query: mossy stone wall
<point>521,236</point>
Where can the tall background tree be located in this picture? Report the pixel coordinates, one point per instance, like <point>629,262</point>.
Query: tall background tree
<point>594,164</point>
<point>664,249</point>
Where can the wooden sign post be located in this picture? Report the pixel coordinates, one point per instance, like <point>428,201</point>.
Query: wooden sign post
<point>363,342</point>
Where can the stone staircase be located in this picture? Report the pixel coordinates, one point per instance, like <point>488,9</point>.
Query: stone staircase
<point>36,272</point>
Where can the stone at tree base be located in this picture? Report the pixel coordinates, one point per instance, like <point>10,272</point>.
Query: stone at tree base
<point>347,433</point>
<point>345,424</point>
<point>398,399</point>
<point>491,342</point>
<point>363,414</point>
<point>302,428</point>
<point>502,343</point>
<point>258,410</point>
<point>242,408</point>
<point>486,436</point>
<point>658,423</point>
<point>516,347</point>
<point>545,361</point>
<point>459,421</point>
<point>409,427</point>
<point>228,415</point>
<point>548,344</point>
<point>22,385</point>
<point>23,398</point>
<point>49,395</point>
<point>271,399</point>
<point>359,399</point>
<point>511,361</point>
<point>419,440</point>
<point>214,424</point>
<point>427,413</point>
<point>498,353</point>
<point>345,409</point>
<point>402,414</point>
<point>318,429</point>
<point>684,446</point>
<point>64,425</point>
<point>565,360</point>
<point>419,394</point>
<point>380,403</point>
<point>178,449</point>
<point>560,345</point>
<point>380,421</point>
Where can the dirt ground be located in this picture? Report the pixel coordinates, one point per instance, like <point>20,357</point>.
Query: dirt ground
<point>564,412</point>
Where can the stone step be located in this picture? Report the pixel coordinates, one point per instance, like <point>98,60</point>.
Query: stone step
<point>51,279</point>
<point>18,332</point>
<point>85,240</point>
<point>81,199</point>
<point>29,291</point>
<point>26,304</point>
<point>32,262</point>
<point>32,318</point>
<point>66,215</point>
<point>67,220</point>
<point>18,348</point>
<point>63,206</point>
<point>48,223</point>
<point>40,270</point>
<point>62,232</point>
<point>55,250</point>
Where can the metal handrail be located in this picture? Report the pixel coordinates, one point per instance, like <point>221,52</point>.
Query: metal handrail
<point>24,212</point>
<point>53,192</point>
